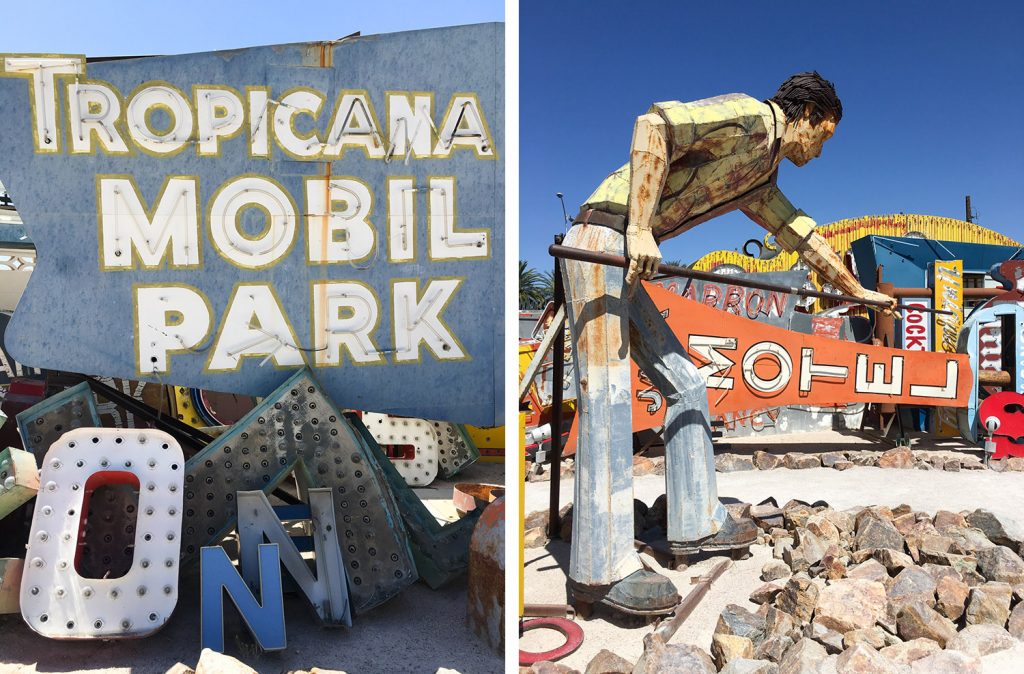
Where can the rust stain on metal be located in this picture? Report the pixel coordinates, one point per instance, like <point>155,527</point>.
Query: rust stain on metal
<point>468,496</point>
<point>485,609</point>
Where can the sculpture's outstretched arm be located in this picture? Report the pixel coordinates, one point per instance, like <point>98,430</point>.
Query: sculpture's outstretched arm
<point>648,163</point>
<point>794,230</point>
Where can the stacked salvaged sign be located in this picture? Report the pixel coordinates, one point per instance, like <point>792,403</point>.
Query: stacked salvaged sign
<point>120,510</point>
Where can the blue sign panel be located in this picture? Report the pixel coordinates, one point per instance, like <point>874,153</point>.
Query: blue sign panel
<point>218,220</point>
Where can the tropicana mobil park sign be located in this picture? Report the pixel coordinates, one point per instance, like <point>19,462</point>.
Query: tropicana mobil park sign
<point>217,220</point>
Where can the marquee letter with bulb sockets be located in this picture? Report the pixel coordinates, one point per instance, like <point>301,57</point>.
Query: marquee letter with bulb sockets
<point>56,600</point>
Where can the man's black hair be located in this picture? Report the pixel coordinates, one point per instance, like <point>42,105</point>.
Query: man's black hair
<point>812,88</point>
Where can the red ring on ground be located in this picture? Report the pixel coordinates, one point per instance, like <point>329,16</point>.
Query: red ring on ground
<point>572,632</point>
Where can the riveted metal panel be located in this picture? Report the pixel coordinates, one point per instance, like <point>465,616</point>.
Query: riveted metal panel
<point>297,429</point>
<point>42,424</point>
<point>441,552</point>
<point>456,450</point>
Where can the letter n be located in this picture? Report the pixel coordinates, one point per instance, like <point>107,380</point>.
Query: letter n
<point>265,620</point>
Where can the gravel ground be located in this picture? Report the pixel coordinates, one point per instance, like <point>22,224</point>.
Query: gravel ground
<point>420,630</point>
<point>545,571</point>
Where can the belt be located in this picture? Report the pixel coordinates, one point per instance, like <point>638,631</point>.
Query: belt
<point>589,216</point>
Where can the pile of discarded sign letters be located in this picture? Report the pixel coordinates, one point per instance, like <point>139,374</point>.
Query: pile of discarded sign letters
<point>107,517</point>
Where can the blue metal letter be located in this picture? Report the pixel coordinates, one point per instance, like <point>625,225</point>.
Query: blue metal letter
<point>265,620</point>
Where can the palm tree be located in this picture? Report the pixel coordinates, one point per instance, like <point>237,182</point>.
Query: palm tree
<point>534,287</point>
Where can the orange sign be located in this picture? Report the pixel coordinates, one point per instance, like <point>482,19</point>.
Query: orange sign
<point>748,365</point>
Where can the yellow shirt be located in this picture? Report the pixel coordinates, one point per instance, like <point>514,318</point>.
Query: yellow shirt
<point>723,155</point>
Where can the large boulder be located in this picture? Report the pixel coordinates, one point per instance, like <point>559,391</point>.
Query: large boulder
<point>894,561</point>
<point>898,457</point>
<point>747,666</point>
<point>827,637</point>
<point>909,651</point>
<point>731,463</point>
<point>765,461</point>
<point>212,662</point>
<point>1001,564</point>
<point>870,569</point>
<point>675,658</point>
<point>813,546</point>
<point>871,636</point>
<point>912,584</point>
<point>803,657</point>
<point>990,525</point>
<point>796,460</point>
<point>981,640</point>
<point>947,662</point>
<point>873,533</point>
<point>822,526</point>
<point>773,648</point>
<point>850,604</point>
<point>951,594</point>
<point>728,647</point>
<point>765,594</point>
<point>606,662</point>
<point>863,659</point>
<point>798,598</point>
<point>738,621</point>
<point>775,569</point>
<point>989,603</point>
<point>1016,622</point>
<point>919,620</point>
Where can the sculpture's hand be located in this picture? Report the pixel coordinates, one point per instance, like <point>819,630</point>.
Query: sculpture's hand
<point>644,256</point>
<point>890,310</point>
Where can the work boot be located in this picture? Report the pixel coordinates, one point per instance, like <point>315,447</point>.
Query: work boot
<point>736,533</point>
<point>642,592</point>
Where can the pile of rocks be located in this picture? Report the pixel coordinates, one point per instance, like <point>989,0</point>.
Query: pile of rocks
<point>876,589</point>
<point>867,590</point>
<point>899,457</point>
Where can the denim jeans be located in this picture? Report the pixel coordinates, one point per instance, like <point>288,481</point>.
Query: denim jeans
<point>605,325</point>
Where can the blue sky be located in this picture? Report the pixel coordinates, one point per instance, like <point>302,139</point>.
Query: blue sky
<point>932,94</point>
<point>133,27</point>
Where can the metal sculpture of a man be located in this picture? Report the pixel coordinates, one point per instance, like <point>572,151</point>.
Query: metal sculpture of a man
<point>689,162</point>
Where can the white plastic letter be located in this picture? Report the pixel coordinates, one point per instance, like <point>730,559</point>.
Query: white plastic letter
<point>254,325</point>
<point>810,369</point>
<point>59,603</point>
<point>168,319</point>
<point>706,347</point>
<point>278,235</point>
<point>301,102</point>
<point>948,390</point>
<point>401,219</point>
<point>338,217</point>
<point>410,122</point>
<point>169,99</point>
<point>464,126</point>
<point>877,382</point>
<point>352,331</point>
<point>220,115</point>
<point>42,72</point>
<point>354,125</point>
<point>418,319</point>
<point>446,242</point>
<point>127,229</point>
<point>94,108</point>
<point>782,358</point>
